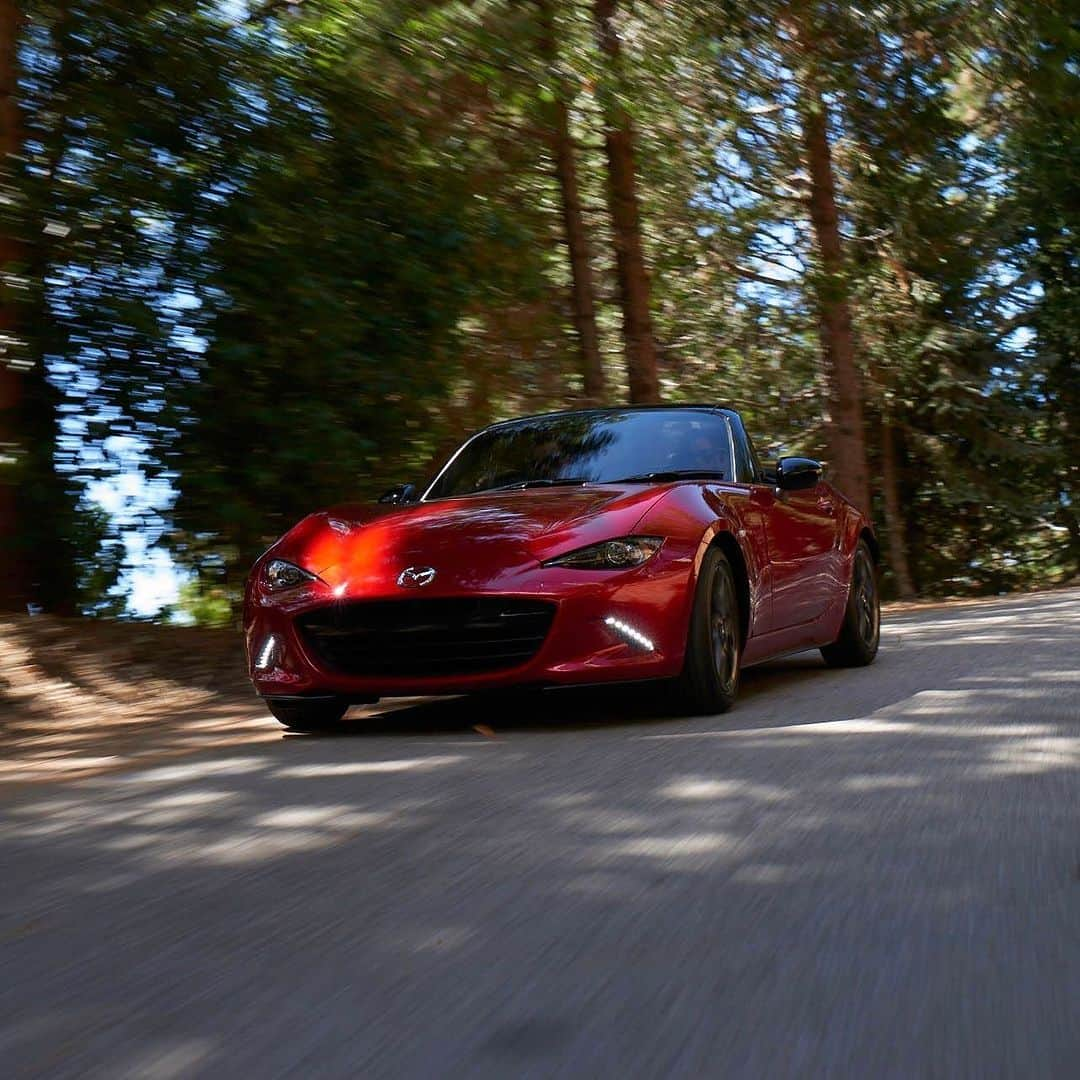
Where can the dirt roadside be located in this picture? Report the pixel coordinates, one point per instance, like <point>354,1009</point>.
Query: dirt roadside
<point>79,696</point>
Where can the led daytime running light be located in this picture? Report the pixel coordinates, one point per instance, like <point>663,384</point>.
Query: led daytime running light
<point>267,654</point>
<point>634,636</point>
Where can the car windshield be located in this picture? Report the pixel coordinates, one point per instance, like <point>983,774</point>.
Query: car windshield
<point>590,448</point>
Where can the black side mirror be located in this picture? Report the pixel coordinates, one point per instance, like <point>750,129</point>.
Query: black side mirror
<point>797,473</point>
<point>399,495</point>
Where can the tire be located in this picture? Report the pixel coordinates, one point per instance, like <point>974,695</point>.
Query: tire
<point>710,678</point>
<point>860,632</point>
<point>310,716</point>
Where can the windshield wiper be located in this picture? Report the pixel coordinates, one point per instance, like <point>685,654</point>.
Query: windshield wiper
<point>567,481</point>
<point>676,474</point>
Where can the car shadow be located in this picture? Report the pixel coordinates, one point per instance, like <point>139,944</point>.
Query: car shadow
<point>571,708</point>
<point>614,706</point>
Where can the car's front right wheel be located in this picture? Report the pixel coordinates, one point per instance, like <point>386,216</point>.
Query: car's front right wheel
<point>710,679</point>
<point>308,716</point>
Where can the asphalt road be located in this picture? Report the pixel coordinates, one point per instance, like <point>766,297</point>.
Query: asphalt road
<point>868,873</point>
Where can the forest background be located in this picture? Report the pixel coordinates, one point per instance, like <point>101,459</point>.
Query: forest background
<point>259,257</point>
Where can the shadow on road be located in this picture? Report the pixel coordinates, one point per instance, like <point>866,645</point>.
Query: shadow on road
<point>614,706</point>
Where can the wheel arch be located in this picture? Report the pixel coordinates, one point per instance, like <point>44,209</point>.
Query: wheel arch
<point>699,517</point>
<point>725,541</point>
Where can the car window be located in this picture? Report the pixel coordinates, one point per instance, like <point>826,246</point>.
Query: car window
<point>588,447</point>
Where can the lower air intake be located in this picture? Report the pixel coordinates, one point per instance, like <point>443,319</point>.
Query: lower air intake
<point>418,638</point>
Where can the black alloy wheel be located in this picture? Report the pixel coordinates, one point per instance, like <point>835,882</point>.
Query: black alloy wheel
<point>710,679</point>
<point>860,632</point>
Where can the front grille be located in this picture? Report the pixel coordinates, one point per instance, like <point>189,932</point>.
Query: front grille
<point>417,638</point>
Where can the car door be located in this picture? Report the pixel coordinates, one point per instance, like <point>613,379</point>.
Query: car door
<point>800,528</point>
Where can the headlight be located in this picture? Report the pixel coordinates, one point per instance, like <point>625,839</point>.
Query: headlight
<point>620,554</point>
<point>278,574</point>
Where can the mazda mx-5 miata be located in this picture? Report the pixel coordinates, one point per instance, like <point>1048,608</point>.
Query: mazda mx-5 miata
<point>599,546</point>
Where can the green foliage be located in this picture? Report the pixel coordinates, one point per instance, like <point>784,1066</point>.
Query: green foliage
<point>200,604</point>
<point>99,561</point>
<point>1041,147</point>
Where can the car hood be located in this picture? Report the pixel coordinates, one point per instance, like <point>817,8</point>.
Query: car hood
<point>470,542</point>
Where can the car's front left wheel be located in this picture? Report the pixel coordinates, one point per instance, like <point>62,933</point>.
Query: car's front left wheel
<point>860,632</point>
<point>710,677</point>
<point>308,716</point>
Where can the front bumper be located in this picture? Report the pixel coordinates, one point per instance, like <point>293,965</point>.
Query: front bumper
<point>588,641</point>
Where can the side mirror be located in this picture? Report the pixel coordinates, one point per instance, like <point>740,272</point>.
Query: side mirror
<point>399,495</point>
<point>797,473</point>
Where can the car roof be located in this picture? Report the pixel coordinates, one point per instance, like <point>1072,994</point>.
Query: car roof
<point>613,409</point>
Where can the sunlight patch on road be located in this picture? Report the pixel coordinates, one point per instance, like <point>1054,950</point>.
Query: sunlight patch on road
<point>919,714</point>
<point>173,1059</point>
<point>694,788</point>
<point>700,789</point>
<point>877,783</point>
<point>152,831</point>
<point>673,847</point>
<point>1057,676</point>
<point>170,774</point>
<point>1033,756</point>
<point>360,768</point>
<point>1052,637</point>
<point>254,846</point>
<point>329,817</point>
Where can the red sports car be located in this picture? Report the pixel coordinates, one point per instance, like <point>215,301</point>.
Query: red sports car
<point>604,545</point>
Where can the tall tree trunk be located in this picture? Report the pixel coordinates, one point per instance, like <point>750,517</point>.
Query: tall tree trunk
<point>37,516</point>
<point>577,238</point>
<point>14,576</point>
<point>633,276</point>
<point>894,519</point>
<point>847,438</point>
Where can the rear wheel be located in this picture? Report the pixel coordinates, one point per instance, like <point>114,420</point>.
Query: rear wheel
<point>860,632</point>
<point>710,677</point>
<point>321,715</point>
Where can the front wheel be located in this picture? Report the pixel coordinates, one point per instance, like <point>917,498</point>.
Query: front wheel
<point>860,631</point>
<point>308,716</point>
<point>710,677</point>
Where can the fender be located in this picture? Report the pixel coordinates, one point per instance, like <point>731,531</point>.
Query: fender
<point>848,533</point>
<point>713,510</point>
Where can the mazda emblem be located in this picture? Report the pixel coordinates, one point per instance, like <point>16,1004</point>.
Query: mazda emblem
<point>416,577</point>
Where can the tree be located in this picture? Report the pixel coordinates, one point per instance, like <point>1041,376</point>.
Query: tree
<point>14,586</point>
<point>1041,145</point>
<point>847,437</point>
<point>359,268</point>
<point>633,276</point>
<point>37,512</point>
<point>576,233</point>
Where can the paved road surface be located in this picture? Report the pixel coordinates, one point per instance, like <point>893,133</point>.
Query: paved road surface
<point>869,873</point>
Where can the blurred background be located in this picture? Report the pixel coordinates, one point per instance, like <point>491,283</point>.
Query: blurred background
<point>259,257</point>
